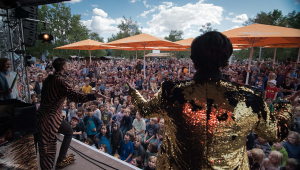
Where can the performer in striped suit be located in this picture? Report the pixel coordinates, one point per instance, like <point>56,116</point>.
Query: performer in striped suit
<point>55,90</point>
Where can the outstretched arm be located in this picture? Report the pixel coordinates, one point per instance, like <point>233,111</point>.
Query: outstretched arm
<point>274,126</point>
<point>148,109</point>
<point>78,97</point>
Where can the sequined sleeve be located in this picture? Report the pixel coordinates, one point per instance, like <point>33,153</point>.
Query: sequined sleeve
<point>150,108</point>
<point>275,127</point>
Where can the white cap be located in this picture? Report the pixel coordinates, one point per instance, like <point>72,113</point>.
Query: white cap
<point>94,88</point>
<point>273,81</point>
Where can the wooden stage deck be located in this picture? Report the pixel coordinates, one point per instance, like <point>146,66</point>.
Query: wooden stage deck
<point>83,164</point>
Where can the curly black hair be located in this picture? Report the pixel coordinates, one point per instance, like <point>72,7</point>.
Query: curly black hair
<point>211,51</point>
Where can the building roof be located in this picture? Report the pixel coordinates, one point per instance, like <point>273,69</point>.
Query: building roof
<point>158,55</point>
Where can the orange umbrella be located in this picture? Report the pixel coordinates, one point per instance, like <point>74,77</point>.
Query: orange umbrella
<point>281,46</point>
<point>263,35</point>
<point>186,43</point>
<point>142,41</point>
<point>151,48</point>
<point>86,45</point>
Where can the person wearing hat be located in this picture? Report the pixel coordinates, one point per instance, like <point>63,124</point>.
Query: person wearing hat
<point>76,129</point>
<point>271,90</point>
<point>93,90</point>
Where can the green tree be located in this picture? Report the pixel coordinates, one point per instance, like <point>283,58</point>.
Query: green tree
<point>206,28</point>
<point>128,28</point>
<point>97,53</point>
<point>65,28</point>
<point>275,18</point>
<point>174,35</point>
<point>272,18</point>
<point>293,20</point>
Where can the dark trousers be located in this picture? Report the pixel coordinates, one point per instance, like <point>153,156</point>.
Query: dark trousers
<point>67,131</point>
<point>115,148</point>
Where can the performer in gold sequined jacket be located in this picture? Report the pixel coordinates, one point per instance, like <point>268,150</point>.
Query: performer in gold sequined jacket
<point>207,119</point>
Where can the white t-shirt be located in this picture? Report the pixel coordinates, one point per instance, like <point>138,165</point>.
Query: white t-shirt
<point>10,80</point>
<point>139,125</point>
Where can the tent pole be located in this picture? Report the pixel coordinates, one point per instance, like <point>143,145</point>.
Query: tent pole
<point>298,55</point>
<point>189,67</point>
<point>259,54</point>
<point>250,61</point>
<point>171,54</point>
<point>274,56</point>
<point>136,54</point>
<point>144,64</point>
<point>90,57</point>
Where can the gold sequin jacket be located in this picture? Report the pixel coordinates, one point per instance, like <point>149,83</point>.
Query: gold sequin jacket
<point>207,123</point>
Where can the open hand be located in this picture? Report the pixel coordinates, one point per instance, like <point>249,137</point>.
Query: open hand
<point>130,89</point>
<point>99,95</point>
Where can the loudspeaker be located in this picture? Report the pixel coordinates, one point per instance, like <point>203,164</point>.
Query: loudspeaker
<point>32,25</point>
<point>26,12</point>
<point>31,9</point>
<point>29,37</point>
<point>30,28</point>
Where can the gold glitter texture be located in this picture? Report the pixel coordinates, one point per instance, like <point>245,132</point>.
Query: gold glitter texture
<point>207,123</point>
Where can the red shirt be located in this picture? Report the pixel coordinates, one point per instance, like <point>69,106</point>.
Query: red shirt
<point>270,92</point>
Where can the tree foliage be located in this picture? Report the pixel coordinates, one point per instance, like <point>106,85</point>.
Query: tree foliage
<point>206,28</point>
<point>176,35</point>
<point>65,28</point>
<point>276,18</point>
<point>128,28</point>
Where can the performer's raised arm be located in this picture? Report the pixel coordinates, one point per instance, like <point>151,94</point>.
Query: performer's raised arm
<point>275,126</point>
<point>146,108</point>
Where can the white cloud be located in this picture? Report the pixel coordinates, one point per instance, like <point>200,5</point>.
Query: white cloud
<point>147,12</point>
<point>230,13</point>
<point>87,10</point>
<point>133,1</point>
<point>101,23</point>
<point>73,1</point>
<point>234,27</point>
<point>147,6</point>
<point>94,6</point>
<point>165,5</point>
<point>172,17</point>
<point>297,2</point>
<point>240,18</point>
<point>229,19</point>
<point>99,12</point>
<point>85,14</point>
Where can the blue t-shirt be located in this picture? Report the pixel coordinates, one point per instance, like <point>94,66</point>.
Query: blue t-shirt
<point>293,75</point>
<point>90,126</point>
<point>151,130</point>
<point>126,150</point>
<point>105,141</point>
<point>114,118</point>
<point>292,150</point>
<point>260,83</point>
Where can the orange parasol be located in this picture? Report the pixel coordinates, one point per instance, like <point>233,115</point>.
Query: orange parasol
<point>142,41</point>
<point>186,43</point>
<point>263,35</point>
<point>86,45</point>
<point>281,46</point>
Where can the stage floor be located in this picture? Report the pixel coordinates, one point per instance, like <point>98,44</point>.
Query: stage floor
<point>83,164</point>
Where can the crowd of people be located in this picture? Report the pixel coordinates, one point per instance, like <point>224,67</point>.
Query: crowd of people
<point>114,126</point>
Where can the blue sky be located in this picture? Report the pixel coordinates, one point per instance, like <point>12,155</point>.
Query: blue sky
<point>158,17</point>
